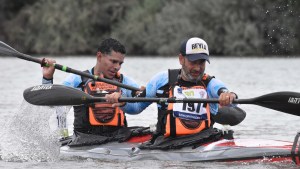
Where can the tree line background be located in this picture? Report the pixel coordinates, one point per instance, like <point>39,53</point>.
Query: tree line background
<point>152,27</point>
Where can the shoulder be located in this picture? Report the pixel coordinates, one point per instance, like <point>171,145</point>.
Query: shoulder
<point>156,82</point>
<point>160,79</point>
<point>129,81</point>
<point>215,81</point>
<point>214,86</point>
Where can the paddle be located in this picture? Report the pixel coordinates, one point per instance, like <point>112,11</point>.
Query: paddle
<point>6,50</point>
<point>287,102</point>
<point>229,115</point>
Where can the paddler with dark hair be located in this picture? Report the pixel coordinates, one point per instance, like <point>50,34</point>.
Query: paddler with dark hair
<point>99,123</point>
<point>185,124</point>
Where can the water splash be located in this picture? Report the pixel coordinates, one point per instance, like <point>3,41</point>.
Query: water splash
<point>27,136</point>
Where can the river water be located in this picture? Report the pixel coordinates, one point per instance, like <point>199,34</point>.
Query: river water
<point>26,130</point>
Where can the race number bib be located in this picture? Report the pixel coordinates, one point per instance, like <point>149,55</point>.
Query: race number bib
<point>189,111</point>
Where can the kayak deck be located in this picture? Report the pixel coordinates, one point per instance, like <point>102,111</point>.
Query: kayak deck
<point>222,150</point>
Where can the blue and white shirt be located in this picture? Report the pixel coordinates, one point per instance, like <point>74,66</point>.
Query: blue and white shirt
<point>160,80</point>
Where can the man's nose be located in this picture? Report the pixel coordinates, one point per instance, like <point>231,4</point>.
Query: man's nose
<point>117,66</point>
<point>197,66</point>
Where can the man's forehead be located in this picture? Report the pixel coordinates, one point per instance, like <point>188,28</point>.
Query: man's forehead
<point>198,60</point>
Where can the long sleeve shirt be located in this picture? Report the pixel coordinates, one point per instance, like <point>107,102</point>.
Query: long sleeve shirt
<point>161,79</point>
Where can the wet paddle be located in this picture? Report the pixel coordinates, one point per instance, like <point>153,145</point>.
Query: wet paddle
<point>229,115</point>
<point>7,50</point>
<point>288,102</point>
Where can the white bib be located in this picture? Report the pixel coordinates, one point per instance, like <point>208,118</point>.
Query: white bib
<point>190,111</point>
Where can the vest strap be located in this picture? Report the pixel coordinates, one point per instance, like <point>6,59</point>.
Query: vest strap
<point>173,78</point>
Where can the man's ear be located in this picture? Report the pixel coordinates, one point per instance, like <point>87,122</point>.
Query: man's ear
<point>181,59</point>
<point>99,55</point>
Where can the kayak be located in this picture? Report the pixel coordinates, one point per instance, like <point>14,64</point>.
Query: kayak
<point>223,150</point>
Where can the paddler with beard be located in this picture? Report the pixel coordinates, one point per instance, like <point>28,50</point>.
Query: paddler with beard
<point>183,124</point>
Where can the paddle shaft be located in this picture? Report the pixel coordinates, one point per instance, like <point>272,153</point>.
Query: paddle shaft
<point>281,104</point>
<point>166,100</point>
<point>288,102</point>
<point>11,51</point>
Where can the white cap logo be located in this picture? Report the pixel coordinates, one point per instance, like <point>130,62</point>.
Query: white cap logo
<point>196,45</point>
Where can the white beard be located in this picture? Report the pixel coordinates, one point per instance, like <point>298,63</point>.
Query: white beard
<point>190,78</point>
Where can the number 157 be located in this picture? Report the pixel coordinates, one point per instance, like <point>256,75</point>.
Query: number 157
<point>191,107</point>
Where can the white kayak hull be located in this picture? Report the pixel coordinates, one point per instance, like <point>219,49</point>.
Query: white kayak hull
<point>222,150</point>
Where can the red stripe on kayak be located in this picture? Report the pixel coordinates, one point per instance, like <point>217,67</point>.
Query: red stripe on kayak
<point>297,160</point>
<point>139,139</point>
<point>287,160</point>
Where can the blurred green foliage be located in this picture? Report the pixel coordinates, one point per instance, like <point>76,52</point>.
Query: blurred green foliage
<point>152,27</point>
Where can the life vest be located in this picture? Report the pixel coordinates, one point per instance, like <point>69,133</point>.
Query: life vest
<point>185,118</point>
<point>102,113</point>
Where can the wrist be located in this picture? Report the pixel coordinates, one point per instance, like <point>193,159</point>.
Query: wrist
<point>236,96</point>
<point>48,78</point>
<point>123,104</point>
<point>222,90</point>
<point>47,81</point>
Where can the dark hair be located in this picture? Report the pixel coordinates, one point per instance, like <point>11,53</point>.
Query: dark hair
<point>182,49</point>
<point>109,45</point>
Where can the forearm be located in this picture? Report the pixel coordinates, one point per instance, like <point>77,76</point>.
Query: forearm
<point>135,108</point>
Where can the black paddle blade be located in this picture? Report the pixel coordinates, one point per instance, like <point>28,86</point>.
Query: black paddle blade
<point>288,102</point>
<point>55,95</point>
<point>229,116</point>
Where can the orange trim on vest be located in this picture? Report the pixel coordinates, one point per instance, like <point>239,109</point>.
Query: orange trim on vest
<point>205,76</point>
<point>181,124</point>
<point>102,113</point>
<point>114,121</point>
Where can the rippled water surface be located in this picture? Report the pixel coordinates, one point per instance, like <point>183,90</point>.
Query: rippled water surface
<point>22,141</point>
